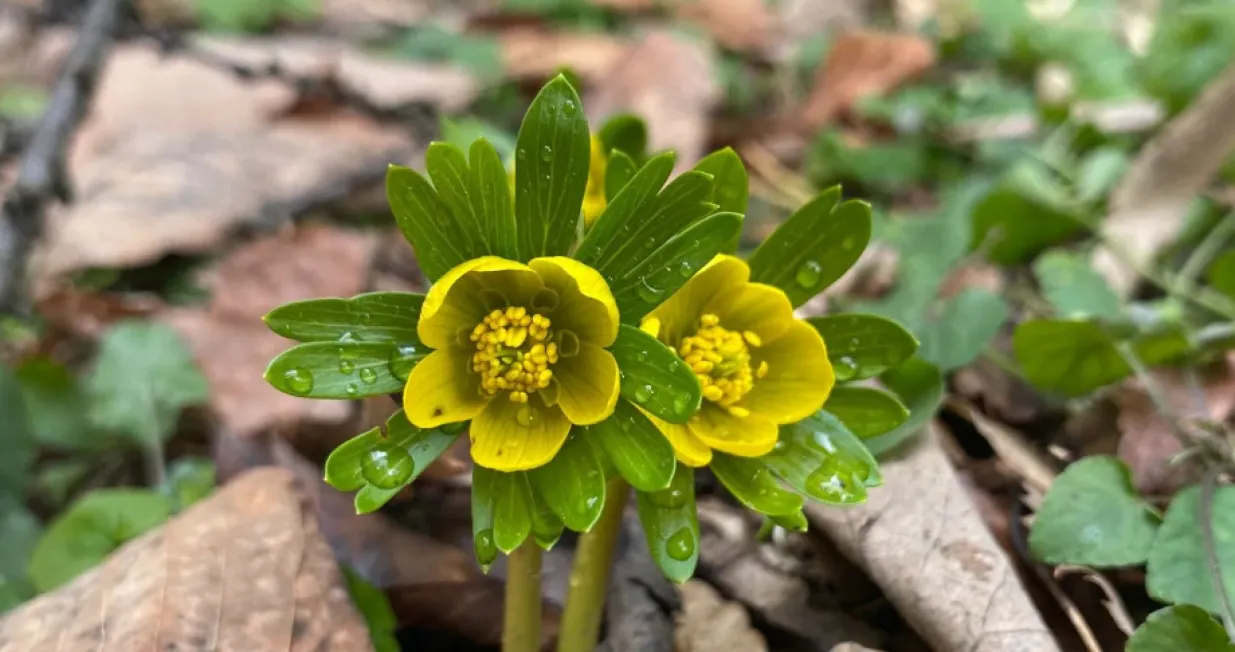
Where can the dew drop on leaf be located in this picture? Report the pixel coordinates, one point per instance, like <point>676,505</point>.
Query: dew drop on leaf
<point>668,498</point>
<point>643,394</point>
<point>368,376</point>
<point>346,367</point>
<point>845,368</point>
<point>848,243</point>
<point>681,405</point>
<point>808,274</point>
<point>681,544</point>
<point>486,551</point>
<point>641,356</point>
<point>366,318</point>
<point>546,153</point>
<point>402,360</point>
<point>298,381</point>
<point>387,466</point>
<point>649,293</point>
<point>568,107</point>
<point>685,269</point>
<point>586,506</point>
<point>351,389</point>
<point>522,154</point>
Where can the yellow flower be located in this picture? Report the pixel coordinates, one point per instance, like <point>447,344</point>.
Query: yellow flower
<point>758,365</point>
<point>520,350</point>
<point>594,198</point>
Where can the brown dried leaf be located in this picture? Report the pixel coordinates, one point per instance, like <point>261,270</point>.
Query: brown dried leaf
<point>709,622</point>
<point>924,543</point>
<point>1148,442</point>
<point>671,83</point>
<point>863,64</point>
<point>176,155</point>
<point>741,25</point>
<point>245,571</point>
<point>233,346</point>
<point>534,53</point>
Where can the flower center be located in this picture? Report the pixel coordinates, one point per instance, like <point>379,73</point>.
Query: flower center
<point>514,352</point>
<point>720,359</point>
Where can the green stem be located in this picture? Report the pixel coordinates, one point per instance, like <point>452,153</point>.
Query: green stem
<point>1204,253</point>
<point>1208,486</point>
<point>589,576</point>
<point>521,625</point>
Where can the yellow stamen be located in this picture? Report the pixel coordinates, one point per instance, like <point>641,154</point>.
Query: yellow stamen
<point>511,354</point>
<point>721,360</point>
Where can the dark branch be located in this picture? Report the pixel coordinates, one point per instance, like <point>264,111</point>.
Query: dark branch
<point>42,175</point>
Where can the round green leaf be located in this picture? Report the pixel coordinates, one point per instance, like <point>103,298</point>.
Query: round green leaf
<point>671,525</point>
<point>1221,274</point>
<point>752,483</point>
<point>572,484</point>
<point>1077,357</point>
<point>1073,287</point>
<point>16,462</point>
<point>1182,628</point>
<point>1092,516</point>
<point>426,221</point>
<point>91,529</point>
<point>919,384</point>
<point>56,407</point>
<point>866,411</point>
<point>819,457</point>
<point>343,369</point>
<point>814,247</point>
<point>1178,570</point>
<point>634,445</point>
<point>1022,216</point>
<point>552,154</point>
<point>962,328</point>
<point>863,346</point>
<point>654,377</point>
<point>373,317</point>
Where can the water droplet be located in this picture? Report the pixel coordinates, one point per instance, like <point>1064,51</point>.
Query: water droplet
<point>668,498</point>
<point>674,366</point>
<point>685,269</point>
<point>347,336</point>
<point>546,153</point>
<point>641,356</point>
<point>351,389</point>
<point>402,360</point>
<point>346,367</point>
<point>781,447</point>
<point>298,381</point>
<point>522,154</point>
<point>588,505</point>
<point>366,318</point>
<point>525,416</point>
<point>643,394</point>
<point>845,368</point>
<point>650,242</point>
<point>849,243</point>
<point>486,550</point>
<point>368,376</point>
<point>682,405</point>
<point>808,274</point>
<point>387,466</point>
<point>568,107</point>
<point>825,482</point>
<point>649,293</point>
<point>681,544</point>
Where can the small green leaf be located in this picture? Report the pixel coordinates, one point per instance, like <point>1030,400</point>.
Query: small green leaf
<point>345,468</point>
<point>1092,516</point>
<point>343,369</point>
<point>863,346</point>
<point>551,165</point>
<point>448,170</point>
<point>654,377</point>
<point>143,376</point>
<point>547,528</point>
<point>1077,357</point>
<point>484,495</point>
<point>866,411</point>
<point>752,483</point>
<point>373,317</point>
<point>820,458</point>
<point>369,498</point>
<point>91,529</point>
<point>638,221</point>
<point>15,432</point>
<point>190,479</point>
<point>1073,288</point>
<point>1099,172</point>
<point>20,532</point>
<point>1022,216</point>
<point>792,522</point>
<point>671,525</point>
<point>1222,274</point>
<point>56,407</point>
<point>730,184</point>
<point>619,171</point>
<point>1182,628</point>
<point>963,327</point>
<point>814,247</point>
<point>1179,570</point>
<point>665,270</point>
<point>636,447</point>
<point>426,222</point>
<point>629,200</point>
<point>463,133</point>
<point>919,384</point>
<point>572,484</point>
<point>512,510</point>
<point>489,191</point>
<point>372,604</point>
<point>626,133</point>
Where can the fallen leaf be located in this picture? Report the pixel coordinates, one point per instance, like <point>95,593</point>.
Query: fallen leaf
<point>741,25</point>
<point>1148,207</point>
<point>233,346</point>
<point>921,539</point>
<point>863,64</point>
<point>533,53</point>
<point>153,176</point>
<point>246,569</point>
<point>709,622</point>
<point>1148,443</point>
<point>670,82</point>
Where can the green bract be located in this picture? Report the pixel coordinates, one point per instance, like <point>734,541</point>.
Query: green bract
<point>646,236</point>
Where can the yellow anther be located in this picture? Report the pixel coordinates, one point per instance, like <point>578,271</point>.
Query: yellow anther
<point>510,353</point>
<point>739,412</point>
<point>713,393</point>
<point>720,358</point>
<point>709,320</point>
<point>763,369</point>
<point>752,338</point>
<point>515,338</point>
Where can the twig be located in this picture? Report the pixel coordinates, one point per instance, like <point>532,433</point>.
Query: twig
<point>1114,602</point>
<point>1206,515</point>
<point>42,176</point>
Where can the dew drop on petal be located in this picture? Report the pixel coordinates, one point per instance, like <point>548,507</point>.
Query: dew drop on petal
<point>680,545</point>
<point>387,466</point>
<point>808,274</point>
<point>525,416</point>
<point>298,381</point>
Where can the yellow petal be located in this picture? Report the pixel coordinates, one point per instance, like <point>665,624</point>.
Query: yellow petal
<point>509,436</point>
<point>750,436</point>
<point>588,384</point>
<point>440,390</point>
<point>585,304</point>
<point>594,197</point>
<point>686,447</point>
<point>680,313</point>
<point>799,378</point>
<point>458,299</point>
<point>760,308</point>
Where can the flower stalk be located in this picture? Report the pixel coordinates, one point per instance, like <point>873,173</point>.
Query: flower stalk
<point>589,575</point>
<point>521,619</point>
